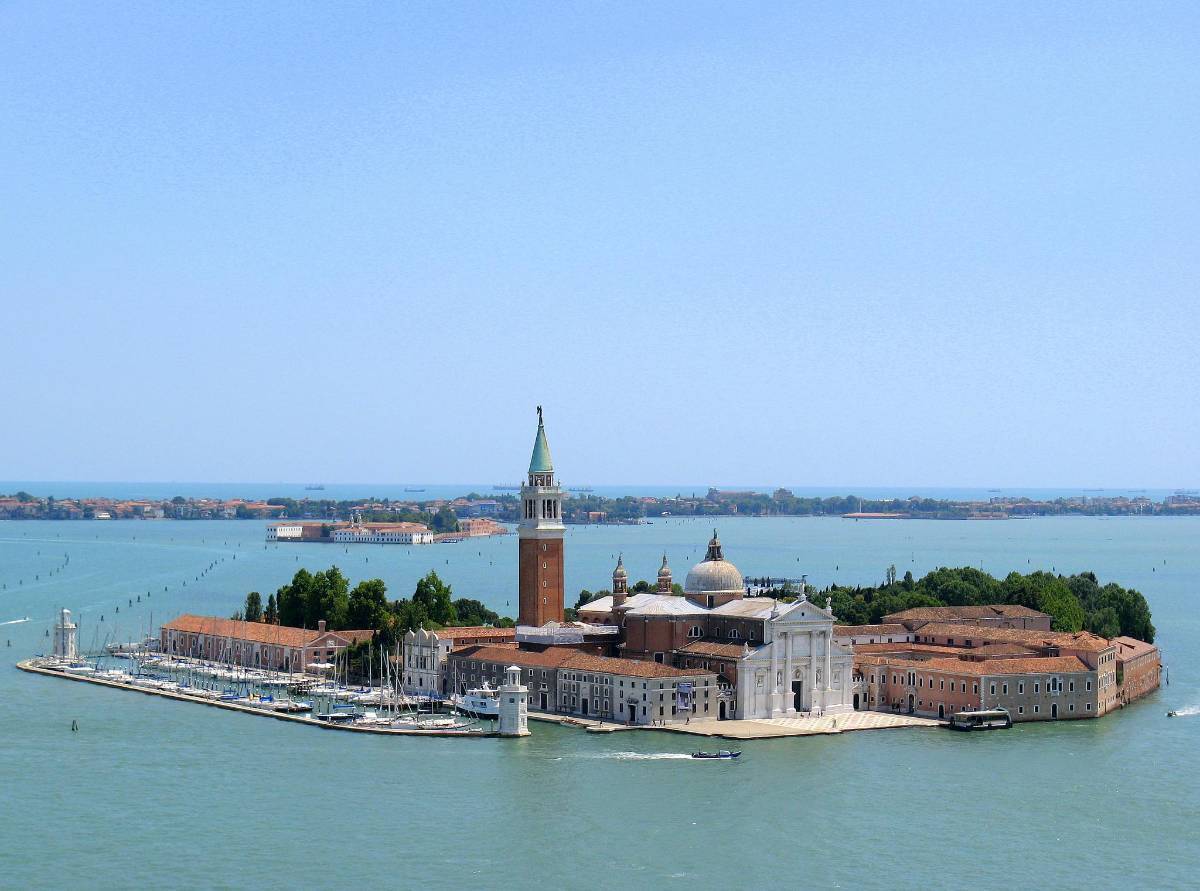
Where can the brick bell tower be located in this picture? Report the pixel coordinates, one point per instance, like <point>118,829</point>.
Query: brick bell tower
<point>541,539</point>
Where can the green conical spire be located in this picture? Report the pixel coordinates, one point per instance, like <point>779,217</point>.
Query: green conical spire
<point>540,462</point>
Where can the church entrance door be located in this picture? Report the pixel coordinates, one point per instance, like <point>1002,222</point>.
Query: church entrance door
<point>798,695</point>
<point>632,713</point>
<point>543,702</point>
<point>856,702</point>
<point>721,710</point>
<point>585,708</point>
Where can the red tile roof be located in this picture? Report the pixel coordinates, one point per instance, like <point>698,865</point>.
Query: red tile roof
<point>717,648</point>
<point>936,613</point>
<point>565,657</point>
<point>1131,648</point>
<point>887,628</point>
<point>257,632</point>
<point>1079,640</point>
<point>986,668</point>
<point>476,631</point>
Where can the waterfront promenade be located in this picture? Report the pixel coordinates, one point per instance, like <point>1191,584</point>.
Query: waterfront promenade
<point>767,728</point>
<point>755,728</point>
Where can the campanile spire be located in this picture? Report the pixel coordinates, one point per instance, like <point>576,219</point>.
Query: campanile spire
<point>541,538</point>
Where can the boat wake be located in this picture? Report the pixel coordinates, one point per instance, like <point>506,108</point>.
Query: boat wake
<point>15,621</point>
<point>1190,712</point>
<point>642,756</point>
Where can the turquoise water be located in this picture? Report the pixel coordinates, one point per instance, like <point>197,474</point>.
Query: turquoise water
<point>156,791</point>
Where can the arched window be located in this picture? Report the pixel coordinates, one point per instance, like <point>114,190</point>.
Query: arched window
<point>733,634</point>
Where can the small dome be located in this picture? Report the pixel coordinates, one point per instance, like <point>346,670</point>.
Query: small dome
<point>665,570</point>
<point>619,572</point>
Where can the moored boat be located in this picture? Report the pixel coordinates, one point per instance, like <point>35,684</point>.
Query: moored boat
<point>723,754</point>
<point>481,702</point>
<point>983,719</point>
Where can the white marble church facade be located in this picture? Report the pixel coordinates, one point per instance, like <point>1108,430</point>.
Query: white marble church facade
<point>800,668</point>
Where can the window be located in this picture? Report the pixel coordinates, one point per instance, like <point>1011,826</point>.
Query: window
<point>1087,707</point>
<point>1071,688</point>
<point>1037,709</point>
<point>1021,688</point>
<point>733,634</point>
<point>1089,686</point>
<point>992,689</point>
<point>1005,690</point>
<point>1036,686</point>
<point>1020,709</point>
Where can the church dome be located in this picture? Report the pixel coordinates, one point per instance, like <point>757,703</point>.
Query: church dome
<point>714,574</point>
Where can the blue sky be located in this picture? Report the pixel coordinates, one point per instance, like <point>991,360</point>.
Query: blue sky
<point>926,244</point>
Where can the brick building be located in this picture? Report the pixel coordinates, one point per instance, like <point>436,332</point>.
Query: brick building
<point>254,644</point>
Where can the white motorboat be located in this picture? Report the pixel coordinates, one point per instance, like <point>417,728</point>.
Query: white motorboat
<point>481,702</point>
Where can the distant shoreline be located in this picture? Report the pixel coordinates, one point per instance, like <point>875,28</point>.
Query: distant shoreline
<point>588,508</point>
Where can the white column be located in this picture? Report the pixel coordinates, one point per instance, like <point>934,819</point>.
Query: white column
<point>828,676</point>
<point>812,671</point>
<point>773,703</point>
<point>789,701</point>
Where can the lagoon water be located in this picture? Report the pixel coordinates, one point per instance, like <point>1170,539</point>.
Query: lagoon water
<point>151,790</point>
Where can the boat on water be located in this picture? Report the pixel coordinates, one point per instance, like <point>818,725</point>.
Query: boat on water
<point>984,719</point>
<point>723,754</point>
<point>1172,714</point>
<point>480,702</point>
<point>413,489</point>
<point>315,487</point>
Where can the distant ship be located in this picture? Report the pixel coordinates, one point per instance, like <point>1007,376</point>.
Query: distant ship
<point>580,489</point>
<point>315,487</point>
<point>507,488</point>
<point>412,489</point>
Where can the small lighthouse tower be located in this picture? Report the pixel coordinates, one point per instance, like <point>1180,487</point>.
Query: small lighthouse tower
<point>514,704</point>
<point>65,638</point>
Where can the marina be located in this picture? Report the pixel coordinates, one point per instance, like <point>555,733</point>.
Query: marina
<point>261,706</point>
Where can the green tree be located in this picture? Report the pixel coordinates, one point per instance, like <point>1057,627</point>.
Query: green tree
<point>253,610</point>
<point>473,612</point>
<point>271,616</point>
<point>293,598</point>
<point>445,520</point>
<point>368,605</point>
<point>328,599</point>
<point>434,597</point>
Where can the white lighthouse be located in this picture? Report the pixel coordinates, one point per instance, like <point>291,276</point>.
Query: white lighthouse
<point>65,637</point>
<point>514,704</point>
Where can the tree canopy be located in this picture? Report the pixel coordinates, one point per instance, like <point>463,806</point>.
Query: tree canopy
<point>1075,603</point>
<point>311,597</point>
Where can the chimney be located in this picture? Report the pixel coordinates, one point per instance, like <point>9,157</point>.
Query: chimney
<point>320,625</point>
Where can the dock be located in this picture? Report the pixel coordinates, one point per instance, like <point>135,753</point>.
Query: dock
<point>32,667</point>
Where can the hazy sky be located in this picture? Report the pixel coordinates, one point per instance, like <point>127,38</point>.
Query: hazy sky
<point>899,244</point>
